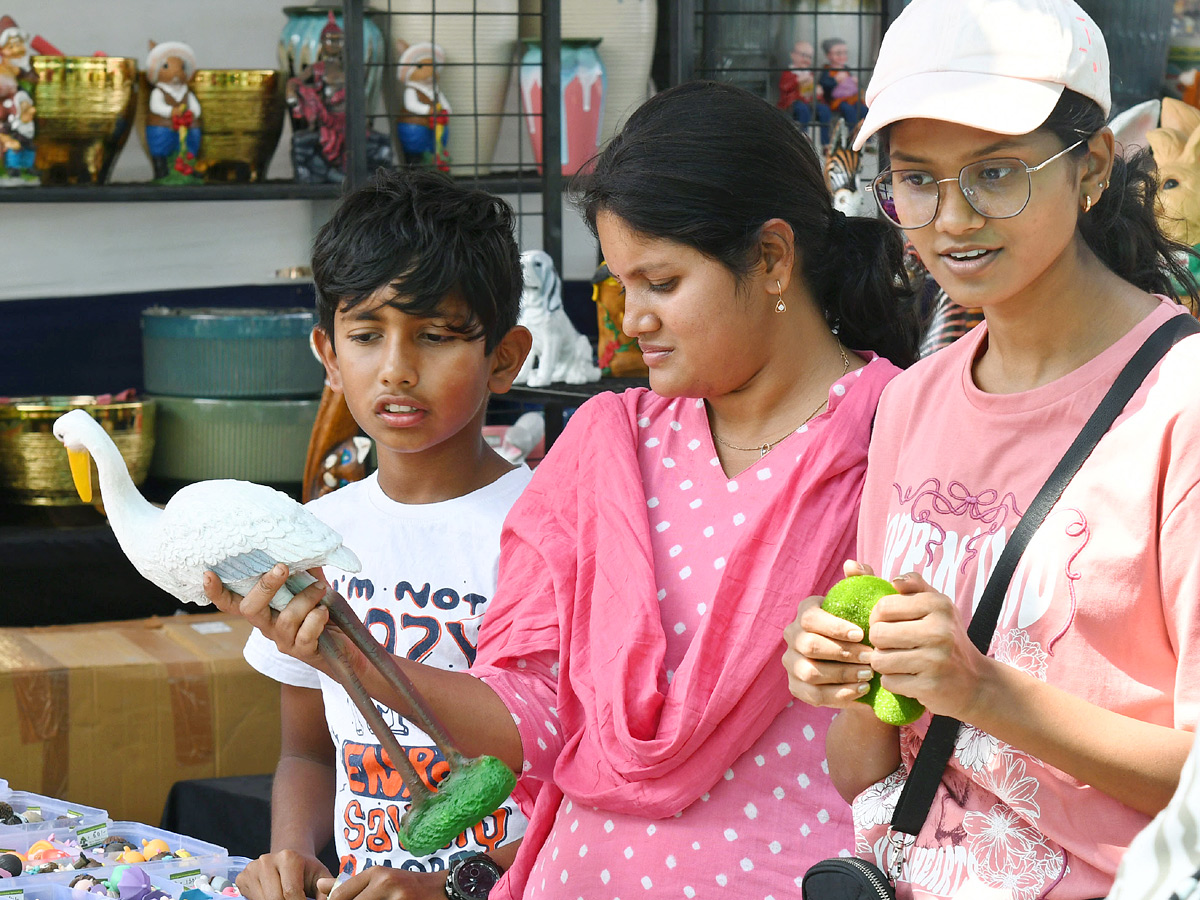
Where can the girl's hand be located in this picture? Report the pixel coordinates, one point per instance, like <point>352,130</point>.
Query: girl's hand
<point>294,630</point>
<point>922,649</point>
<point>826,661</point>
<point>386,883</point>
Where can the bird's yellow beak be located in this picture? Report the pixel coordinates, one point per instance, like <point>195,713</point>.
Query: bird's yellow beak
<point>81,473</point>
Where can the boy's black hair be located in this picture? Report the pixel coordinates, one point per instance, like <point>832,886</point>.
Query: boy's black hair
<point>426,236</point>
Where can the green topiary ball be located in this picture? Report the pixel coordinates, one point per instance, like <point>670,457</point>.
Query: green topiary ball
<point>853,599</point>
<point>467,794</point>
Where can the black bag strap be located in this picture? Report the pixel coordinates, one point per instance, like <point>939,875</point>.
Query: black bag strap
<point>922,783</point>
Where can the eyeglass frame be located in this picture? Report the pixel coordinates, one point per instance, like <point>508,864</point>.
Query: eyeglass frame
<point>938,182</point>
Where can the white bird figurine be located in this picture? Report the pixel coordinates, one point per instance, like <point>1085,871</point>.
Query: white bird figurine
<point>240,530</point>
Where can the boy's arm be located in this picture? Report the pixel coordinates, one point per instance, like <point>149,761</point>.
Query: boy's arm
<point>302,800</point>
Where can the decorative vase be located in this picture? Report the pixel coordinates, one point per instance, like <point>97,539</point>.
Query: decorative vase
<point>581,103</point>
<point>85,110</point>
<point>300,41</point>
<point>626,29</point>
<point>478,38</point>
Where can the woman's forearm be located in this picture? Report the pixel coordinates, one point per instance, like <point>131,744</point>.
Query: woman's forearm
<point>1136,762</point>
<point>861,750</point>
<point>470,711</point>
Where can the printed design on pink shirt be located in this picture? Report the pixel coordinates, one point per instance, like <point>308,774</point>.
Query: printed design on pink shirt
<point>987,507</point>
<point>970,836</point>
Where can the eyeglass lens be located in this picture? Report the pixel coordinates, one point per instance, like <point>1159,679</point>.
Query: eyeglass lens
<point>996,188</point>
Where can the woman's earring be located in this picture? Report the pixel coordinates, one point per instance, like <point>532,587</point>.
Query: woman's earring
<point>780,306</point>
<point>1087,203</point>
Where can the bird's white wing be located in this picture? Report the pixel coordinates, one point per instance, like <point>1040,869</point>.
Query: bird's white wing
<point>239,530</point>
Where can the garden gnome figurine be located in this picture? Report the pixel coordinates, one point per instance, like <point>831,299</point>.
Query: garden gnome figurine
<point>799,94</point>
<point>14,54</point>
<point>422,128</point>
<point>838,85</point>
<point>173,121</point>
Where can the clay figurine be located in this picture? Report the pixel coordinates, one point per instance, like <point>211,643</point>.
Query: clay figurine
<point>173,120</point>
<point>838,86</point>
<point>799,94</point>
<point>17,110</point>
<point>560,353</point>
<point>423,127</point>
<point>14,54</point>
<point>316,100</point>
<point>842,175</point>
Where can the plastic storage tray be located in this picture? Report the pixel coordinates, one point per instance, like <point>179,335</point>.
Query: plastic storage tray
<point>172,877</point>
<point>89,841</point>
<point>76,814</point>
<point>177,876</point>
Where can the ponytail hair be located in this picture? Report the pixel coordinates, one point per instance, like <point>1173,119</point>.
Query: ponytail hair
<point>706,165</point>
<point>1122,228</point>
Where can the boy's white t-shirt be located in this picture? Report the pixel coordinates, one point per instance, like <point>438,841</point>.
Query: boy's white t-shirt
<point>429,571</point>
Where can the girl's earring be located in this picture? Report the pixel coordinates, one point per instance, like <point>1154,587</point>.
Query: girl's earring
<point>1087,203</point>
<point>780,306</point>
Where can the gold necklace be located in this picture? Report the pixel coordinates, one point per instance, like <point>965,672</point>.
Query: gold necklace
<point>766,446</point>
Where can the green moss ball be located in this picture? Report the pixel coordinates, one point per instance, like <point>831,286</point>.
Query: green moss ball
<point>465,797</point>
<point>853,599</point>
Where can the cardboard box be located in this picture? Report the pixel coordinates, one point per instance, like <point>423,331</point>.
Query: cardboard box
<point>112,714</point>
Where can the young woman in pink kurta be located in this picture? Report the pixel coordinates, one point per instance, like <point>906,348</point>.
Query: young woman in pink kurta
<point>628,668</point>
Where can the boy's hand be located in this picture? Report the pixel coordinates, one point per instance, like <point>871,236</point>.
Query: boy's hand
<point>826,661</point>
<point>294,630</point>
<point>922,649</point>
<point>386,883</point>
<point>286,875</point>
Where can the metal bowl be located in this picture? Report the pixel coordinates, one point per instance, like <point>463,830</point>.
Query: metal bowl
<point>85,107</point>
<point>241,118</point>
<point>33,464</point>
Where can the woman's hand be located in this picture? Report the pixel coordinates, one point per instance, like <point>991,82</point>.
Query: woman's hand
<point>826,661</point>
<point>922,649</point>
<point>286,875</point>
<point>294,630</point>
<point>386,883</point>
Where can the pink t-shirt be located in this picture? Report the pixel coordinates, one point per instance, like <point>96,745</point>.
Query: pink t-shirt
<point>774,812</point>
<point>1103,603</point>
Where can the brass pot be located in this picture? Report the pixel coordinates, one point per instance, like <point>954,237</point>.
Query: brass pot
<point>241,118</point>
<point>85,107</point>
<point>33,464</point>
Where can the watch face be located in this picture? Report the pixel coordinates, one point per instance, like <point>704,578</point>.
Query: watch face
<point>475,877</point>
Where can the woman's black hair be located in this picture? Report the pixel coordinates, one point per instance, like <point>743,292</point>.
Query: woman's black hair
<point>426,236</point>
<point>1122,227</point>
<point>707,164</point>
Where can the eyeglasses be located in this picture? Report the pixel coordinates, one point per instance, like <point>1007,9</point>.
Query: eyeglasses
<point>995,188</point>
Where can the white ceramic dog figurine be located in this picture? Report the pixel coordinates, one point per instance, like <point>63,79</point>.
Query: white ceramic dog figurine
<point>560,353</point>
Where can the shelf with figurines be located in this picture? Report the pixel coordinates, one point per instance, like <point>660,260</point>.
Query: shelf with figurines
<point>210,134</point>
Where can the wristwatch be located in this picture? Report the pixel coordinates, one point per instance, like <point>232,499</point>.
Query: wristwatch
<point>472,878</point>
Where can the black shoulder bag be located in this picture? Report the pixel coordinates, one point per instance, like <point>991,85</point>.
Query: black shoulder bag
<point>849,878</point>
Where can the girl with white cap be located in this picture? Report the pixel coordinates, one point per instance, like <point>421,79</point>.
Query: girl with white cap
<point>1002,172</point>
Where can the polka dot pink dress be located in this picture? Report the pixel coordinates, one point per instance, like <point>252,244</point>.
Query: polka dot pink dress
<point>774,813</point>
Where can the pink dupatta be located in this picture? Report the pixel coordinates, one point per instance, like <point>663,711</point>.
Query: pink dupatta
<point>577,578</point>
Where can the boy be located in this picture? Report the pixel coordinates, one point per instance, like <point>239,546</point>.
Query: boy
<point>418,284</point>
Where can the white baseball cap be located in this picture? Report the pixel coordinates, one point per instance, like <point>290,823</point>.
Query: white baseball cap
<point>995,65</point>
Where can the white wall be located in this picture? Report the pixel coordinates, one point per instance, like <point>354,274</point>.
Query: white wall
<point>74,249</point>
